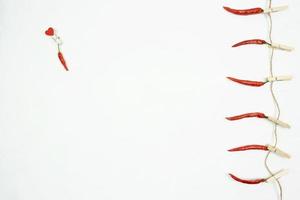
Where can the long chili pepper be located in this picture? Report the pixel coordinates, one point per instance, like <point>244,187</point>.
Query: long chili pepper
<point>270,148</point>
<point>250,147</point>
<point>251,11</point>
<point>247,181</point>
<point>247,115</point>
<point>62,60</point>
<point>259,115</point>
<point>247,82</point>
<point>252,41</point>
<point>52,33</point>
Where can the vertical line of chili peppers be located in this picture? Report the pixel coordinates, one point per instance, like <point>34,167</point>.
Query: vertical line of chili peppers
<point>273,177</point>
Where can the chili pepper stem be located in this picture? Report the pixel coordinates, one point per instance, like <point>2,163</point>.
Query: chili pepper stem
<point>281,47</point>
<point>277,175</point>
<point>275,9</point>
<point>278,122</point>
<point>278,78</point>
<point>278,151</point>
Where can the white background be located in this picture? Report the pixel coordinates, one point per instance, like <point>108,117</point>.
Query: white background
<point>140,115</point>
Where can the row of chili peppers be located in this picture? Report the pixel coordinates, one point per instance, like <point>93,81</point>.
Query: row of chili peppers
<point>270,148</point>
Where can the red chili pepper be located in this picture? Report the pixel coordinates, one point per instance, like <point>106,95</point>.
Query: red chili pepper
<point>62,60</point>
<point>250,147</point>
<point>247,115</point>
<point>251,11</point>
<point>251,182</point>
<point>247,82</point>
<point>252,41</point>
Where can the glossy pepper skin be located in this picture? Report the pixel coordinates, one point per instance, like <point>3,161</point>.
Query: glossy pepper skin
<point>251,11</point>
<point>250,147</point>
<point>247,115</point>
<point>252,41</point>
<point>62,60</point>
<point>247,82</point>
<point>247,181</point>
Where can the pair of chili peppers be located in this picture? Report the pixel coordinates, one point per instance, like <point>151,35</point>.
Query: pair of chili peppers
<point>52,33</point>
<point>260,83</point>
<point>263,148</point>
<point>259,115</point>
<point>254,11</point>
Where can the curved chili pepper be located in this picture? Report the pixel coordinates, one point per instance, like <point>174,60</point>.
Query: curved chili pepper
<point>252,41</point>
<point>251,182</point>
<point>250,147</point>
<point>251,11</point>
<point>62,60</point>
<point>247,82</point>
<point>247,115</point>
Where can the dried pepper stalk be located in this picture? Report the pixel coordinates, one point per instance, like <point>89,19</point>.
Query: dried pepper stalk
<point>259,115</point>
<point>52,33</point>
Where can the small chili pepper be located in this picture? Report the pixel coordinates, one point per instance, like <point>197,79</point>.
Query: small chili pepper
<point>52,33</point>
<point>251,11</point>
<point>277,176</point>
<point>252,41</point>
<point>62,60</point>
<point>248,181</point>
<point>250,147</point>
<point>247,82</point>
<point>247,115</point>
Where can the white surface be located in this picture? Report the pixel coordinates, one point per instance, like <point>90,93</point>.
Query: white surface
<point>141,113</point>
